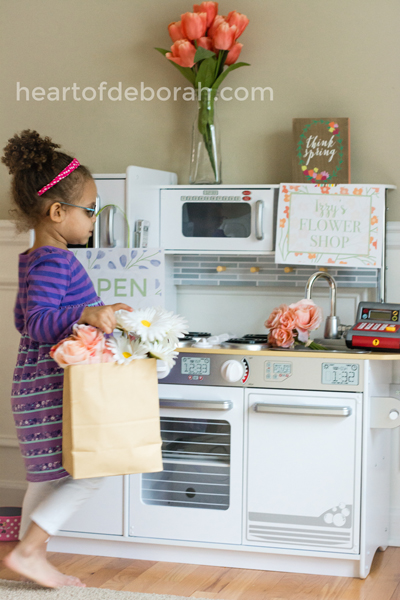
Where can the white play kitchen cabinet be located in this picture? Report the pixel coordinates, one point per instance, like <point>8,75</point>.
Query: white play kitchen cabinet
<point>286,469</point>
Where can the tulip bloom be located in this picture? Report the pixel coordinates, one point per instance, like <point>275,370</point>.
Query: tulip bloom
<point>175,31</point>
<point>224,36</point>
<point>233,53</point>
<point>211,8</point>
<point>182,53</point>
<point>239,21</point>
<point>205,42</point>
<point>194,25</point>
<point>217,21</point>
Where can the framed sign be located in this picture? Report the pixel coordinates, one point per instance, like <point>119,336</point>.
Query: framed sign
<point>133,276</point>
<point>321,150</point>
<point>330,225</point>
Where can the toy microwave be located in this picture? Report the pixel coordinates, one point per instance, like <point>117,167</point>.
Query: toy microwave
<point>377,327</point>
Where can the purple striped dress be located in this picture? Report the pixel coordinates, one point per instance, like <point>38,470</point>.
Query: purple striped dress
<point>54,288</point>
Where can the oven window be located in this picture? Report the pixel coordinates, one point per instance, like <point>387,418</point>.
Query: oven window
<point>216,219</point>
<point>196,463</point>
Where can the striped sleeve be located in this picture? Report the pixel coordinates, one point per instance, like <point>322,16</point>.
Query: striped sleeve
<point>18,315</point>
<point>47,284</point>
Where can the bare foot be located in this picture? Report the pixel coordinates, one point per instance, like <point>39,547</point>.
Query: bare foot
<point>36,568</point>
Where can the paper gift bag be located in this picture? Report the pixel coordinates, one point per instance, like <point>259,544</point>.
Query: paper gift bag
<point>111,419</point>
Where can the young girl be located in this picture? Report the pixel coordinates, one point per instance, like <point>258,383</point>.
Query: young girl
<point>56,196</point>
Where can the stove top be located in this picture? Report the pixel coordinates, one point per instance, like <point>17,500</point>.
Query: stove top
<point>248,342</point>
<point>190,338</point>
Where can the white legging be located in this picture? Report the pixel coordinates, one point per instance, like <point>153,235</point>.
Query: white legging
<point>51,503</point>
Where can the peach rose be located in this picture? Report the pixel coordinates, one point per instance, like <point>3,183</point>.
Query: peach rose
<point>88,335</point>
<point>283,316</point>
<point>308,317</point>
<point>281,337</point>
<point>70,352</point>
<point>85,346</point>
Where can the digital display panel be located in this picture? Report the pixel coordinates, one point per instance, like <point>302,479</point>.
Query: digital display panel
<point>380,315</point>
<point>195,366</point>
<point>282,368</point>
<point>340,374</point>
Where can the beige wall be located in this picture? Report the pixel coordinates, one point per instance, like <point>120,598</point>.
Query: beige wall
<point>321,57</point>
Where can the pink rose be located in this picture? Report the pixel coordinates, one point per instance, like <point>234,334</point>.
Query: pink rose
<point>283,316</point>
<point>308,317</point>
<point>281,337</point>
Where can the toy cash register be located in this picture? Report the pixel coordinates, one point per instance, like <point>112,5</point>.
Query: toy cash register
<point>377,327</point>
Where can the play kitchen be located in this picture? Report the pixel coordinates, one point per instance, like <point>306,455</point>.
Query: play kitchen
<point>273,458</point>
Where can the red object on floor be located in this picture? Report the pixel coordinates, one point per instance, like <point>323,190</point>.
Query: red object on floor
<point>10,521</point>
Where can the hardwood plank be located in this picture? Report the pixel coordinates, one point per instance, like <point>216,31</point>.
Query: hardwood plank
<point>223,583</point>
<point>127,574</point>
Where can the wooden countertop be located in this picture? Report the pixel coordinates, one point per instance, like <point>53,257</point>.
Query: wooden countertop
<point>300,353</point>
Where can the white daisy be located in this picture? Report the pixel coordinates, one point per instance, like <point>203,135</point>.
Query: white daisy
<point>162,351</point>
<point>125,350</point>
<point>152,324</point>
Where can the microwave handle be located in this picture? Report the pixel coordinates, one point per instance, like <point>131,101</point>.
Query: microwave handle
<point>197,404</point>
<point>259,219</point>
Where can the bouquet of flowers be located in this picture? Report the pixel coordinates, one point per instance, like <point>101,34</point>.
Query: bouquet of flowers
<point>290,325</point>
<point>205,49</point>
<point>144,333</point>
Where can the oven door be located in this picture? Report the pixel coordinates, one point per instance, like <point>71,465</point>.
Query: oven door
<point>224,222</point>
<point>198,495</point>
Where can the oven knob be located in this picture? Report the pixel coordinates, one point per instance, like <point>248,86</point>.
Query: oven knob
<point>232,370</point>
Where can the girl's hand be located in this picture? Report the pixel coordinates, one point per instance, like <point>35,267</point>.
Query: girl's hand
<point>102,317</point>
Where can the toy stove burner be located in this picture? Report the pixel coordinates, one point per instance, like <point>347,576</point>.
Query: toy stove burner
<point>248,342</point>
<point>190,338</point>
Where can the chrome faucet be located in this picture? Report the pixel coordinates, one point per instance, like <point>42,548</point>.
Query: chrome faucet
<point>332,322</point>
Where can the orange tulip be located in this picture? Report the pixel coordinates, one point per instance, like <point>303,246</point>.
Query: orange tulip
<point>211,8</point>
<point>233,53</point>
<point>182,54</point>
<point>224,36</point>
<point>205,42</point>
<point>194,25</point>
<point>239,21</point>
<point>175,31</point>
<point>217,21</point>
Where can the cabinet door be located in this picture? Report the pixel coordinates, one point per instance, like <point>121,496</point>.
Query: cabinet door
<point>303,470</point>
<point>103,513</point>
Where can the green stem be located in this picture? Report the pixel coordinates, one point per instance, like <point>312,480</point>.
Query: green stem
<point>206,127</point>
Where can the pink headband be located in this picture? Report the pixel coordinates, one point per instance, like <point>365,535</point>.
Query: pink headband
<point>71,167</point>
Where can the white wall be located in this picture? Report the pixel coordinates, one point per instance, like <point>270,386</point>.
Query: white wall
<point>243,311</point>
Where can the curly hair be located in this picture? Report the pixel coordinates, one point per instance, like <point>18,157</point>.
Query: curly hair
<point>33,161</point>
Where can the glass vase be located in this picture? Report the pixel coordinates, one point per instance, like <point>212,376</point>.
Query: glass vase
<point>205,159</point>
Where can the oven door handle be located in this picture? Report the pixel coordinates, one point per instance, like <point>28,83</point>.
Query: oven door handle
<point>326,411</point>
<point>197,404</point>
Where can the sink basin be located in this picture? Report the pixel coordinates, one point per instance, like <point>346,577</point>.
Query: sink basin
<point>334,345</point>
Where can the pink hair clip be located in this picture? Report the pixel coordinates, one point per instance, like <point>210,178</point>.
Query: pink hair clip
<point>64,173</point>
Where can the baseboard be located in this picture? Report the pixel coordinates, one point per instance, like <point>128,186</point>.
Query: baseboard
<point>12,492</point>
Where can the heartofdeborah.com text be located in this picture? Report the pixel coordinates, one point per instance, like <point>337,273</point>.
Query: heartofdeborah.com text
<point>143,93</point>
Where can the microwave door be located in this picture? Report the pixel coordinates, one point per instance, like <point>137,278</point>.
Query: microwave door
<point>227,224</point>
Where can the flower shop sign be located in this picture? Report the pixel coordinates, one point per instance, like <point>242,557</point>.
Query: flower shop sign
<point>330,225</point>
<point>133,276</point>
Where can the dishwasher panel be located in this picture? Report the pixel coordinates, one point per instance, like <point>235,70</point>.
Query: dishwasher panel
<point>303,470</point>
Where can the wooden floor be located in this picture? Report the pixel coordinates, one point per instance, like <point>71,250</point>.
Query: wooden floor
<point>223,583</point>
